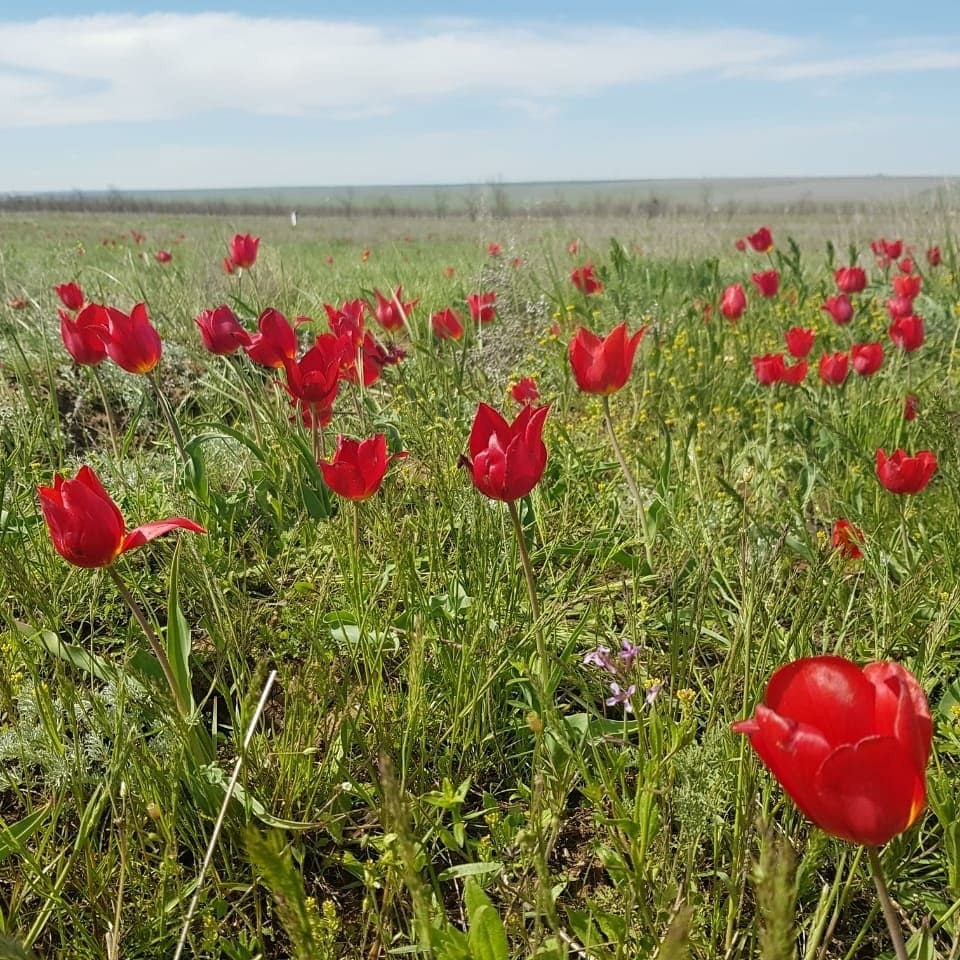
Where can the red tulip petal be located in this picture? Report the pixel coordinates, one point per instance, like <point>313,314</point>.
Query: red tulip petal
<point>902,711</point>
<point>486,423</point>
<point>157,528</point>
<point>869,791</point>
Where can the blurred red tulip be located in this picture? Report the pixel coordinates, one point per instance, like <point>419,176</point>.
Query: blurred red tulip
<point>365,256</point>
<point>17,303</point>
<point>71,296</point>
<point>740,244</point>
<point>275,342</point>
<point>220,331</point>
<point>525,390</point>
<point>483,306</point>
<point>573,247</point>
<point>849,746</point>
<point>933,256</point>
<point>584,280</point>
<point>446,324</point>
<point>494,249</point>
<point>906,265</point>
<point>866,358</point>
<point>907,333</point>
<point>507,459</point>
<point>767,283</point>
<point>392,312</point>
<point>834,368</point>
<point>163,256</point>
<point>840,309</point>
<point>795,374</point>
<point>358,466</point>
<point>850,279</point>
<point>448,272</point>
<point>734,302</point>
<point>847,540</point>
<point>132,341</point>
<point>799,341</point>
<point>85,336</point>
<point>86,526</point>
<point>762,240</point>
<point>908,286</point>
<point>899,307</point>
<point>911,406</point>
<point>603,364</point>
<point>768,369</point>
<point>901,473</point>
<point>243,250</point>
<point>229,266</point>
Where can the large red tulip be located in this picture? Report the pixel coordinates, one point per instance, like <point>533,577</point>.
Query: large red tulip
<point>767,282</point>
<point>220,331</point>
<point>799,341</point>
<point>86,526</point>
<point>276,341</point>
<point>834,368</point>
<point>901,473</point>
<point>243,250</point>
<point>507,459</point>
<point>85,336</point>
<point>866,358</point>
<point>907,333</point>
<point>71,296</point>
<point>849,745</point>
<point>603,364</point>
<point>132,341</point>
<point>358,466</point>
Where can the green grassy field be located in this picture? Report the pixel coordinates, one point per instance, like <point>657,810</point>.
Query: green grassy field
<point>431,759</point>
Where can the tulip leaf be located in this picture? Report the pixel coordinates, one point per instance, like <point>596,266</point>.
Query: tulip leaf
<point>75,655</point>
<point>14,835</point>
<point>178,636</point>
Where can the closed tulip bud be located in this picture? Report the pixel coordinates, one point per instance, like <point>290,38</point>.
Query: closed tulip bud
<point>933,257</point>
<point>762,240</point>
<point>85,336</point>
<point>866,358</point>
<point>507,459</point>
<point>740,243</point>
<point>603,364</point>
<point>358,466</point>
<point>901,473</point>
<point>906,265</point>
<point>767,283</point>
<point>840,309</point>
<point>734,302</point>
<point>850,279</point>
<point>799,341</point>
<point>71,296</point>
<point>908,286</point>
<point>483,306</point>
<point>132,341</point>
<point>446,325</point>
<point>849,746</point>
<point>847,540</point>
<point>221,331</point>
<point>276,341</point>
<point>86,526</point>
<point>907,333</point>
<point>834,368</point>
<point>584,280</point>
<point>243,250</point>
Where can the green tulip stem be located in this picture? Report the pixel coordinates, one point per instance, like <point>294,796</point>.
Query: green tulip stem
<point>247,392</point>
<point>889,912</point>
<point>531,582</point>
<point>631,481</point>
<point>904,532</point>
<point>170,417</point>
<point>111,423</point>
<point>152,639</point>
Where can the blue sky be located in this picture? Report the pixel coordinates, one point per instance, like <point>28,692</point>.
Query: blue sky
<point>225,93</point>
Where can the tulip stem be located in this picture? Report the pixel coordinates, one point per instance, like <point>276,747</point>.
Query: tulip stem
<point>889,912</point>
<point>631,481</point>
<point>531,581</point>
<point>904,532</point>
<point>111,425</point>
<point>152,639</point>
<point>171,419</point>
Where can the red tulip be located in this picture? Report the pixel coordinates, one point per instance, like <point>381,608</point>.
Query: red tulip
<point>584,280</point>
<point>740,244</point>
<point>163,256</point>
<point>86,526</point>
<point>365,255</point>
<point>347,319</point>
<point>276,341</point>
<point>448,272</point>
<point>901,473</point>
<point>483,306</point>
<point>762,240</point>
<point>137,238</point>
<point>603,364</point>
<point>933,256</point>
<point>899,307</point>
<point>221,331</point>
<point>517,262</point>
<point>850,279</point>
<point>849,746</point>
<point>799,341</point>
<point>892,248</point>
<point>229,266</point>
<point>392,312</point>
<point>508,459</point>
<point>313,381</point>
<point>847,540</point>
<point>446,325</point>
<point>243,250</point>
<point>525,390</point>
<point>867,358</point>
<point>907,333</point>
<point>85,336</point>
<point>358,466</point>
<point>911,406</point>
<point>734,302</point>
<point>839,308</point>
<point>573,247</point>
<point>71,296</point>
<point>833,368</point>
<point>132,341</point>
<point>908,286</point>
<point>767,283</point>
<point>494,249</point>
<point>768,369</point>
<point>795,374</point>
<point>906,265</point>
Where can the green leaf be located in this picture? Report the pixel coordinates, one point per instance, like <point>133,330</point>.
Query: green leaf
<point>11,950</point>
<point>178,635</point>
<point>14,835</point>
<point>487,938</point>
<point>76,656</point>
<point>470,870</point>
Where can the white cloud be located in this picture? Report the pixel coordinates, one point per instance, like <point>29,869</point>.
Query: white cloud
<point>105,68</point>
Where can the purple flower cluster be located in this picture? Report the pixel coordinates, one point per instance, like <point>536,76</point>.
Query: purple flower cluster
<point>620,665</point>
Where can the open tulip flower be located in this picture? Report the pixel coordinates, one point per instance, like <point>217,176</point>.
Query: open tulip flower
<point>840,309</point>
<point>313,381</point>
<point>392,312</point>
<point>507,460</point>
<point>525,390</point>
<point>483,306</point>
<point>799,341</point>
<point>866,358</point>
<point>71,296</point>
<point>85,335</point>
<point>603,364</point>
<point>849,745</point>
<point>132,341</point>
<point>901,473</point>
<point>243,250</point>
<point>86,526</point>
<point>847,540</point>
<point>762,240</point>
<point>446,324</point>
<point>850,279</point>
<point>584,280</point>
<point>276,341</point>
<point>907,333</point>
<point>767,283</point>
<point>221,331</point>
<point>907,286</point>
<point>358,466</point>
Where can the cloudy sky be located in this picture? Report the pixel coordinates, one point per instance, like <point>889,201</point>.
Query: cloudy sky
<point>225,93</point>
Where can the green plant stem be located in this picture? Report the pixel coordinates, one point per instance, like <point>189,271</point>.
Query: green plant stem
<point>152,638</point>
<point>248,397</point>
<point>111,424</point>
<point>170,417</point>
<point>889,913</point>
<point>904,533</point>
<point>631,481</point>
